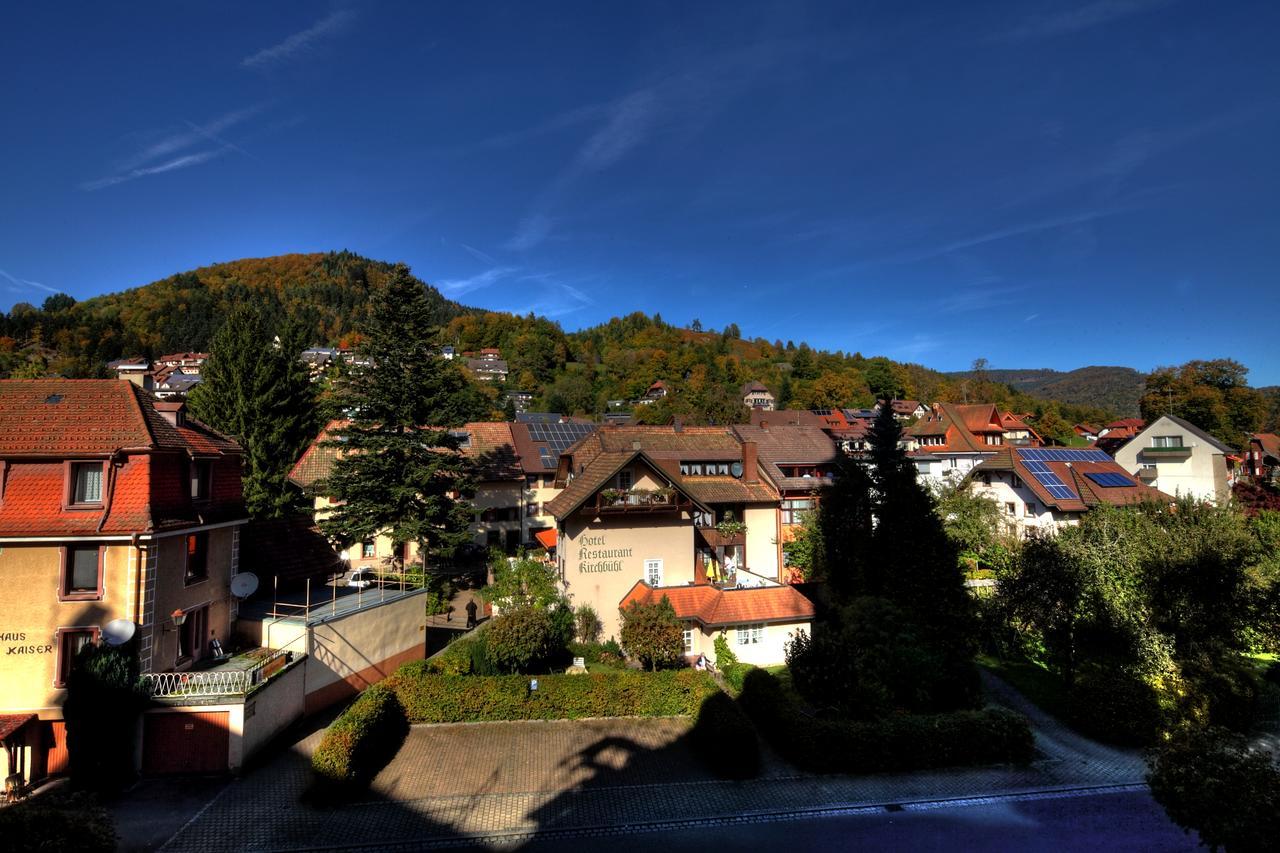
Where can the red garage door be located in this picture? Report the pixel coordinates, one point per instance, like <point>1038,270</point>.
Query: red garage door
<point>57,759</point>
<point>185,743</point>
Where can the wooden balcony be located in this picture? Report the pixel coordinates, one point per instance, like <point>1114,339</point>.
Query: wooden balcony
<point>637,503</point>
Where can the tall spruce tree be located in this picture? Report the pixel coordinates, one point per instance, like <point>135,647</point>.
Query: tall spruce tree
<point>400,473</point>
<point>256,389</point>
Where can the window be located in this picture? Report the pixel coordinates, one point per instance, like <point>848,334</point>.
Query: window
<point>1017,481</point>
<point>986,479</point>
<point>81,573</point>
<point>1148,466</point>
<point>793,509</point>
<point>955,463</point>
<point>367,549</point>
<point>197,556</point>
<point>624,480</point>
<point>70,642</point>
<point>1010,509</point>
<point>86,483</point>
<point>201,477</point>
<point>532,508</point>
<point>688,640</point>
<point>1029,510</point>
<point>653,572</point>
<point>994,439</point>
<point>933,440</point>
<point>750,635</point>
<point>191,635</point>
<point>1166,441</point>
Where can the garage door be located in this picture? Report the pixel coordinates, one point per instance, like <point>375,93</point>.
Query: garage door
<point>185,743</point>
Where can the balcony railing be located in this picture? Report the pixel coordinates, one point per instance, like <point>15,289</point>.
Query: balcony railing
<point>611,500</point>
<point>215,682</point>
<point>1167,452</point>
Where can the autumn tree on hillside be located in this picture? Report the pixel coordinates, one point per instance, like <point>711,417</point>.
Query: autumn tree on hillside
<point>1214,395</point>
<point>400,472</point>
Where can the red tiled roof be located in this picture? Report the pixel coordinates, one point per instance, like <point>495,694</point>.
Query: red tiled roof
<point>904,407</point>
<point>713,607</point>
<point>10,723</point>
<point>961,425</point>
<point>1269,443</point>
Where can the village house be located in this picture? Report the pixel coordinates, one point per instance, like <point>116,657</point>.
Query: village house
<point>756,396</point>
<point>1038,489</point>
<point>946,444</point>
<point>1017,431</point>
<point>1088,432</point>
<point>1178,458</point>
<point>136,370</point>
<point>1262,457</point>
<point>653,393</point>
<point>905,410</point>
<point>487,366</point>
<point>120,522</point>
<point>652,511</point>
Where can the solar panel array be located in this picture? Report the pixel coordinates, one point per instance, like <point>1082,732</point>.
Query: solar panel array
<point>1059,454</point>
<point>558,438</point>
<point>1109,480</point>
<point>1052,484</point>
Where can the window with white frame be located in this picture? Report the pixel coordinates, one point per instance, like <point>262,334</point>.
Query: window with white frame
<point>750,635</point>
<point>793,509</point>
<point>86,483</point>
<point>653,572</point>
<point>1166,441</point>
<point>688,639</point>
<point>624,480</point>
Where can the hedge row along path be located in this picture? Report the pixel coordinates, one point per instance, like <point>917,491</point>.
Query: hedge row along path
<point>452,782</point>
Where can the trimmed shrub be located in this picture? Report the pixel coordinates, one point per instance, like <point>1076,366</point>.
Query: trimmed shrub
<point>725,738</point>
<point>1116,707</point>
<point>361,741</point>
<point>728,665</point>
<point>587,625</point>
<point>1212,782</point>
<point>652,635</point>
<point>429,698</point>
<point>897,742</point>
<point>520,639</point>
<point>73,823</point>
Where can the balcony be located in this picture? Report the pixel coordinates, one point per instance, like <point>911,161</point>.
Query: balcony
<point>1167,452</point>
<point>714,537</point>
<point>1147,475</point>
<point>234,678</point>
<point>637,501</point>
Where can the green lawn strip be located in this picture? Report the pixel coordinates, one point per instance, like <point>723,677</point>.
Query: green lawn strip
<point>1040,686</point>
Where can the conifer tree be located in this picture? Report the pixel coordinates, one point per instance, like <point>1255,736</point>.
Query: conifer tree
<point>255,388</point>
<point>400,473</point>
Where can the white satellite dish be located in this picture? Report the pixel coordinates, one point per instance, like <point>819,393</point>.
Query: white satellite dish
<point>243,584</point>
<point>117,632</point>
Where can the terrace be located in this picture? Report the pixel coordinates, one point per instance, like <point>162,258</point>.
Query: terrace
<point>229,679</point>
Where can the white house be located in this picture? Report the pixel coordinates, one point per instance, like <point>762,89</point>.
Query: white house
<point>1178,458</point>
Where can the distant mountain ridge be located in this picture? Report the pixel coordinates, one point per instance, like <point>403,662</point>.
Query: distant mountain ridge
<point>1115,388</point>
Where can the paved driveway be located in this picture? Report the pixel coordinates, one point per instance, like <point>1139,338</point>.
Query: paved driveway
<point>454,784</point>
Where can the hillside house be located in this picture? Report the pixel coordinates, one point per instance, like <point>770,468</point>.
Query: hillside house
<point>1262,457</point>
<point>946,444</point>
<point>756,396</point>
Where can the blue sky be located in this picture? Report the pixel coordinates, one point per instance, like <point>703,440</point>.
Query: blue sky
<point>1043,184</point>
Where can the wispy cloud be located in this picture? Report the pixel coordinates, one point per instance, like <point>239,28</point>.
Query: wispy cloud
<point>977,298</point>
<point>300,43</point>
<point>183,162</point>
<point>479,255</point>
<point>531,231</point>
<point>27,283</point>
<point>1031,317</point>
<point>165,154</point>
<point>1062,22</point>
<point>461,286</point>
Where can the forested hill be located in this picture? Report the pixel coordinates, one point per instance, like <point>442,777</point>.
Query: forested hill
<point>1116,389</point>
<point>581,372</point>
<point>327,293</point>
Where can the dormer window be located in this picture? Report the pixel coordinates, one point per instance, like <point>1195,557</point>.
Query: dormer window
<point>201,479</point>
<point>994,439</point>
<point>85,488</point>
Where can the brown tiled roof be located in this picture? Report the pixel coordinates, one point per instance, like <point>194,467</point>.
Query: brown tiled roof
<point>10,723</point>
<point>724,490</point>
<point>1268,442</point>
<point>959,424</point>
<point>754,387</point>
<point>589,480</point>
<point>788,444</point>
<point>716,608</point>
<point>492,447</point>
<point>904,407</point>
<point>786,416</point>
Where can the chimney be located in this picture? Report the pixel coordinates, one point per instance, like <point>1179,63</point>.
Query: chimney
<point>173,412</point>
<point>764,426</point>
<point>749,473</point>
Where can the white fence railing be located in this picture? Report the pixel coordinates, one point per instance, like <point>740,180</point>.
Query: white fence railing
<point>215,682</point>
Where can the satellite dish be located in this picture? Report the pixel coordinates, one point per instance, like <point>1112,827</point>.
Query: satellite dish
<point>243,584</point>
<point>736,469</point>
<point>117,632</point>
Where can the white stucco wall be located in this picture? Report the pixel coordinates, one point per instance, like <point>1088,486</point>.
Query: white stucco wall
<point>762,539</point>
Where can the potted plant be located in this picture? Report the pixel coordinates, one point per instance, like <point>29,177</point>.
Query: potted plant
<point>611,497</point>
<point>730,526</point>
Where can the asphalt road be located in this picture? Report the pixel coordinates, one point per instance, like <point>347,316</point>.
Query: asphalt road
<point>1129,821</point>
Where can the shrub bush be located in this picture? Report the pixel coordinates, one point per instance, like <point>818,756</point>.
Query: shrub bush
<point>520,639</point>
<point>897,742</point>
<point>725,738</point>
<point>727,663</point>
<point>1116,707</point>
<point>652,635</point>
<point>1210,781</point>
<point>429,698</point>
<point>1222,693</point>
<point>587,625</point>
<point>73,823</point>
<point>361,741</point>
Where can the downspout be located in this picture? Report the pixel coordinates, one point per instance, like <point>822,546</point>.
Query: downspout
<point>110,487</point>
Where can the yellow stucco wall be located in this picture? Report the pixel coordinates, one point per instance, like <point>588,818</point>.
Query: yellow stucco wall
<point>173,593</point>
<point>30,614</point>
<point>762,539</point>
<point>601,562</point>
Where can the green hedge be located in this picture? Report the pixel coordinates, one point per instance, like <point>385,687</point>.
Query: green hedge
<point>361,741</point>
<point>431,698</point>
<point>898,742</point>
<point>1115,707</point>
<point>725,738</point>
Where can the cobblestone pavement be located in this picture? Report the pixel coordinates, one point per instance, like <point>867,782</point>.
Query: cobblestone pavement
<point>457,783</point>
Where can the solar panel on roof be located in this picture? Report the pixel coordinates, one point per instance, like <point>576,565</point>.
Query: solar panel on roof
<point>1044,475</point>
<point>1110,480</point>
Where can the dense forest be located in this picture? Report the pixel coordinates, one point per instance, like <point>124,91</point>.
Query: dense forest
<point>585,372</point>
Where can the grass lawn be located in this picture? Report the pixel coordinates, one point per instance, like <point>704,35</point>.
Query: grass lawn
<point>605,668</point>
<point>1035,682</point>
